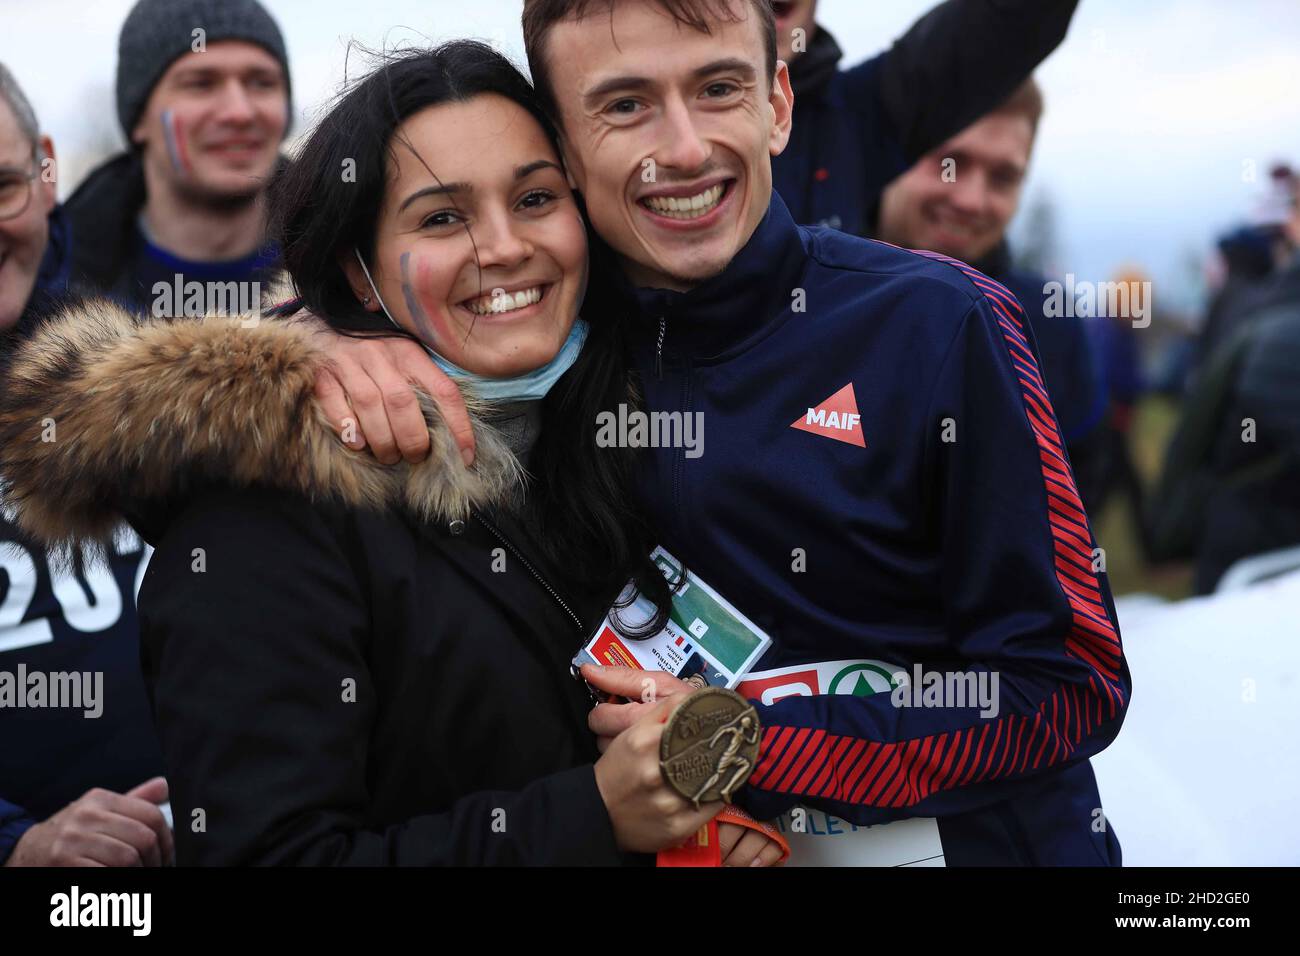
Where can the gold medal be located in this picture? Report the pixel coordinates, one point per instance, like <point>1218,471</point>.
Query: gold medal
<point>709,746</point>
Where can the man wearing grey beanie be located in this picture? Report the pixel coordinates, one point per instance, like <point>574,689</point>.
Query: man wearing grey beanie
<point>204,101</point>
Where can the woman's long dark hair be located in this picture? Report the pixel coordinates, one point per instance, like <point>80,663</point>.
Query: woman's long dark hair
<point>326,203</point>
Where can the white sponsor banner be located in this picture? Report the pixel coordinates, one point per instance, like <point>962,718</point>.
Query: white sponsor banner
<point>816,837</point>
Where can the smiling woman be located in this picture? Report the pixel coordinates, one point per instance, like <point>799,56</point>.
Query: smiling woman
<point>358,612</point>
<point>488,256</point>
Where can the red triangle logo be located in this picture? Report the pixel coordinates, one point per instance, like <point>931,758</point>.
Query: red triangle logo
<point>837,418</point>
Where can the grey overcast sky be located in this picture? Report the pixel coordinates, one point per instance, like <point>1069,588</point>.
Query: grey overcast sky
<point>1156,109</point>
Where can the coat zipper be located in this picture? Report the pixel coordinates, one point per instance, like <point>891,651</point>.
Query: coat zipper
<point>531,570</point>
<point>679,454</point>
<point>659,350</point>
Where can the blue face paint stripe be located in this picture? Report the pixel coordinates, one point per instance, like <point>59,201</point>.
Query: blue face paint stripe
<point>418,315</point>
<point>169,137</point>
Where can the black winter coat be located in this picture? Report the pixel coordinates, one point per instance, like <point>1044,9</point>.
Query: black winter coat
<point>347,664</point>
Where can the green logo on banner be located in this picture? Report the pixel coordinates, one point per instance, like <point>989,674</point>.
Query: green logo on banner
<point>871,679</point>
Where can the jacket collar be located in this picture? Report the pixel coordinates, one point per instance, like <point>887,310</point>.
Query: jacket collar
<point>812,70</point>
<point>724,314</point>
<point>52,279</point>
<point>102,211</point>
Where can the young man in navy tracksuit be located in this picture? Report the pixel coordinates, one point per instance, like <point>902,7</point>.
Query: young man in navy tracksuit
<point>883,476</point>
<point>928,517</point>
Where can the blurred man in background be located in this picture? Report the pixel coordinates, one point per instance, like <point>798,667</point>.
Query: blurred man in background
<point>203,98</point>
<point>1251,256</point>
<point>1231,482</point>
<point>71,789</point>
<point>861,127</point>
<point>959,200</point>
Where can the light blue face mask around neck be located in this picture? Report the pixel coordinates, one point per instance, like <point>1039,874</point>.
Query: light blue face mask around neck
<point>527,387</point>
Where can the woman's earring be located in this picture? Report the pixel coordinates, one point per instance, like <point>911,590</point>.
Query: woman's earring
<point>366,301</point>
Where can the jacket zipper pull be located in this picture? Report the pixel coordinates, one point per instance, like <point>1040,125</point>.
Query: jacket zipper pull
<point>659,351</point>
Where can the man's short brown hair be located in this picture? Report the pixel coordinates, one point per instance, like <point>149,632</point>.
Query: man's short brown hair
<point>1026,101</point>
<point>541,15</point>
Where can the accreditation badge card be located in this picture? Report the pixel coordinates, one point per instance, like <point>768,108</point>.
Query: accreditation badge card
<point>706,637</point>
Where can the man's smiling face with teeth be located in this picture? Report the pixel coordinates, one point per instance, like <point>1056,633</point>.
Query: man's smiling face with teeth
<point>668,133</point>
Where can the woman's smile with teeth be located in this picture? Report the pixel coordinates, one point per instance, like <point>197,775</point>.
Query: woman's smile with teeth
<point>686,207</point>
<point>500,302</point>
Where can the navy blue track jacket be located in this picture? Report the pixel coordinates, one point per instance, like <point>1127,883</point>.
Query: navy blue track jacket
<point>937,520</point>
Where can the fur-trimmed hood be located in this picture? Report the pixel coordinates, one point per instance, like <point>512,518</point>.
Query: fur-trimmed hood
<point>101,411</point>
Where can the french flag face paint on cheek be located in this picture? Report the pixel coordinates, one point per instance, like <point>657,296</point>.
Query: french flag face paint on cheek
<point>431,327</point>
<point>173,135</point>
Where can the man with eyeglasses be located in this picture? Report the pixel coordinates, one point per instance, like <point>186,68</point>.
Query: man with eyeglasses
<point>33,234</point>
<point>77,787</point>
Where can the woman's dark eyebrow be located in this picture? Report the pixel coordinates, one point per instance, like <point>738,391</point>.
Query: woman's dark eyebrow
<point>521,172</point>
<point>440,190</point>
